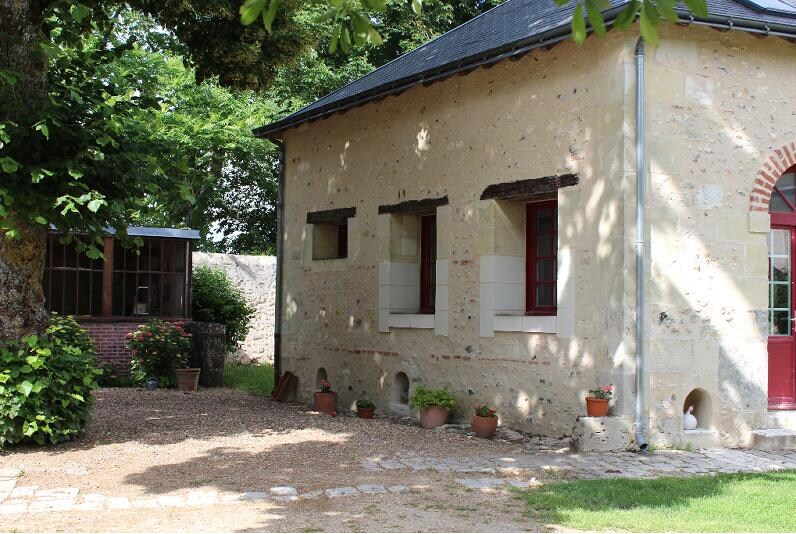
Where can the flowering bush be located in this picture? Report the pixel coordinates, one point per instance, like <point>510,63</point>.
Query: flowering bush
<point>326,386</point>
<point>602,392</point>
<point>485,411</point>
<point>158,348</point>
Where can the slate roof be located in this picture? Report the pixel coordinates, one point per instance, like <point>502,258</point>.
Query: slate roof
<point>508,29</point>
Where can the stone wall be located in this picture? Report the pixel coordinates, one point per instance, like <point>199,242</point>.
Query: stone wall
<point>255,275</point>
<point>565,110</point>
<point>718,109</point>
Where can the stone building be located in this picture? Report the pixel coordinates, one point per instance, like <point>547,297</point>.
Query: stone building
<point>466,216</point>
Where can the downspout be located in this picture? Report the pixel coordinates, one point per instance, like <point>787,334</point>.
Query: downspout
<point>639,424</point>
<point>280,202</point>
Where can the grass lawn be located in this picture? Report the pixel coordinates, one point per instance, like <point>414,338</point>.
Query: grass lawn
<point>254,379</point>
<point>751,502</point>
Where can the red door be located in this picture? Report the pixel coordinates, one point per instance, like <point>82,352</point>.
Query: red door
<point>782,338</point>
<point>781,324</point>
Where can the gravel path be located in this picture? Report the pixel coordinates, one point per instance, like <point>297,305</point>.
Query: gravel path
<point>184,458</point>
<point>223,460</point>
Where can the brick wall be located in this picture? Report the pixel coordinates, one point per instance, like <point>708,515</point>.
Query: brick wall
<point>109,339</point>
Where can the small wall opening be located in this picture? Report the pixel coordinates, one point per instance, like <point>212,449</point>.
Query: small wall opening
<point>400,389</point>
<point>703,407</point>
<point>320,375</point>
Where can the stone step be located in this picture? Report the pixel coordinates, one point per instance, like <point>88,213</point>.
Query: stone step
<point>773,439</point>
<point>781,419</point>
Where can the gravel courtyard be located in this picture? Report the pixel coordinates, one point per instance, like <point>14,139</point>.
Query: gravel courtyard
<point>224,460</point>
<point>168,461</point>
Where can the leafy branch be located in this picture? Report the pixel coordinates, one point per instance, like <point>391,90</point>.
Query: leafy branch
<point>350,17</point>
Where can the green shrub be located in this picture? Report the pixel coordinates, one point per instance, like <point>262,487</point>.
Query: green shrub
<point>45,384</point>
<point>215,300</point>
<point>366,404</point>
<point>157,349</point>
<point>425,398</point>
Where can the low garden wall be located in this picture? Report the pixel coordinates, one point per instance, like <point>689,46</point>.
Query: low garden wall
<point>256,277</point>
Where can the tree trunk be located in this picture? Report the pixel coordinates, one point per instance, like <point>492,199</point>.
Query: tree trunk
<point>22,309</point>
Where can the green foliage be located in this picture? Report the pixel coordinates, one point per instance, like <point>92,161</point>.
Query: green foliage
<point>752,502</point>
<point>602,392</point>
<point>254,379</point>
<point>158,348</point>
<point>425,398</point>
<point>215,300</point>
<point>366,404</point>
<point>46,383</point>
<point>484,410</point>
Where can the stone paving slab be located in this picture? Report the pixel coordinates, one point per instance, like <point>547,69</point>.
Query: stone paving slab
<point>518,471</point>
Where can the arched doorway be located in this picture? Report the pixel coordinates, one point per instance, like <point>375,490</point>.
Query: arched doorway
<point>781,294</point>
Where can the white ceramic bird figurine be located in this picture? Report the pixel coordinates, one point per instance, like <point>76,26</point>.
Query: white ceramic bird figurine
<point>689,421</point>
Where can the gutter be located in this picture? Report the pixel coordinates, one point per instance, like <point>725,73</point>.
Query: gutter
<point>641,390</point>
<point>280,222</point>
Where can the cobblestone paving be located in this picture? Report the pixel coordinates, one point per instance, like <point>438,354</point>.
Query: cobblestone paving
<point>484,474</point>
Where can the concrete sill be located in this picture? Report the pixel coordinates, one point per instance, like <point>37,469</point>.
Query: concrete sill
<point>412,320</point>
<point>541,324</point>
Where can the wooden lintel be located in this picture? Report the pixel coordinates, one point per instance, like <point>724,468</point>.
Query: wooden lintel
<point>528,188</point>
<point>412,206</point>
<point>336,216</point>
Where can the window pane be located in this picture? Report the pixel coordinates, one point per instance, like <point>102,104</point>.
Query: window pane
<point>96,293</point>
<point>173,295</point>
<point>780,296</point>
<point>545,220</point>
<point>544,245</point>
<point>544,270</point>
<point>545,295</point>
<point>174,255</point>
<point>70,295</point>
<point>155,254</point>
<point>780,324</point>
<point>780,269</point>
<point>56,291</point>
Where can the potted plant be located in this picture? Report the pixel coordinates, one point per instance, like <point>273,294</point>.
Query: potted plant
<point>434,405</point>
<point>485,421</point>
<point>159,353</point>
<point>598,399</point>
<point>365,408</point>
<point>326,399</point>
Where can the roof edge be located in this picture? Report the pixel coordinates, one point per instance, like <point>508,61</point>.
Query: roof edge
<point>547,38</point>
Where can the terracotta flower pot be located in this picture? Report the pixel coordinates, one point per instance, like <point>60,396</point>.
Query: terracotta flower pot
<point>325,402</point>
<point>433,416</point>
<point>365,413</point>
<point>596,407</point>
<point>188,379</point>
<point>484,427</point>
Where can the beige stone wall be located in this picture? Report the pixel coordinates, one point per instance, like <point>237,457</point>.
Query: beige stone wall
<point>256,276</point>
<point>716,105</point>
<point>719,104</point>
<point>551,112</point>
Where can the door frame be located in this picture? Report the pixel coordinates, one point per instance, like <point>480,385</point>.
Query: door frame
<point>785,221</point>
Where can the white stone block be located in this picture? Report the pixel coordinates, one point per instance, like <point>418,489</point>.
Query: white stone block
<point>422,320</point>
<point>443,268</point>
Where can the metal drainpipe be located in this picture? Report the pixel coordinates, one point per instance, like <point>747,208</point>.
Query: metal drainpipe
<point>639,425</point>
<point>280,202</point>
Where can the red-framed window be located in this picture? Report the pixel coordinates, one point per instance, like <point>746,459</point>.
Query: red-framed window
<point>541,257</point>
<point>428,263</point>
